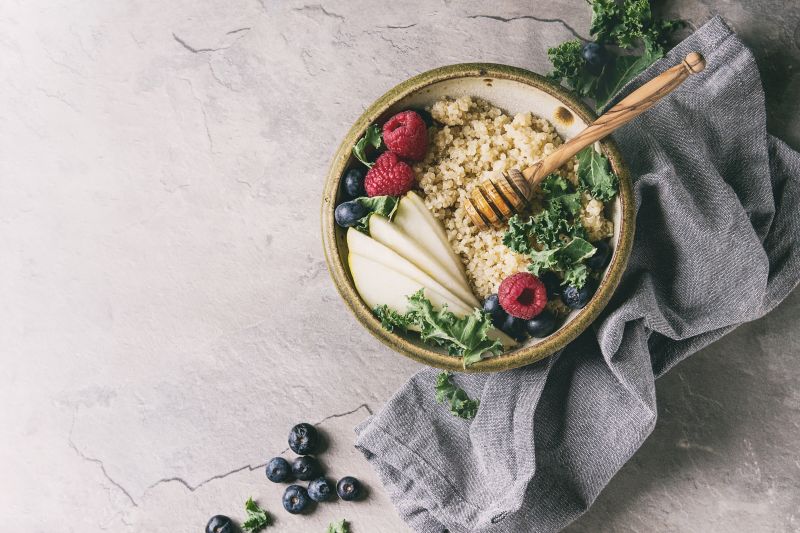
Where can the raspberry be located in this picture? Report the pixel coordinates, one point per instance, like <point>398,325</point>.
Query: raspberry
<point>522,295</point>
<point>406,135</point>
<point>389,176</point>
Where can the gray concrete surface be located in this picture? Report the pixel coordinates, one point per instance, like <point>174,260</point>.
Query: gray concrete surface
<point>165,312</point>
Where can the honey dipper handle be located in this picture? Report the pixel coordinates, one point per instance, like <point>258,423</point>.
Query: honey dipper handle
<point>626,110</point>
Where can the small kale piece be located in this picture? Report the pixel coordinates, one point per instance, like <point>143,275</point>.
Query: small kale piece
<point>560,191</point>
<point>568,259</point>
<point>340,526</point>
<point>371,137</point>
<point>382,205</point>
<point>460,404</point>
<point>466,337</point>
<point>257,518</point>
<point>595,176</point>
<point>623,70</point>
<point>625,23</point>
<point>570,68</point>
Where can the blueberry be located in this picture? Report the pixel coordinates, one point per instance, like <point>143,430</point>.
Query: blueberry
<point>220,524</point>
<point>320,490</point>
<point>492,306</point>
<point>278,470</point>
<point>541,325</point>
<point>354,183</point>
<point>515,328</point>
<point>552,283</point>
<point>305,468</point>
<point>575,298</point>
<point>349,213</point>
<point>348,488</point>
<point>303,439</point>
<point>295,499</point>
<point>600,258</point>
<point>594,54</point>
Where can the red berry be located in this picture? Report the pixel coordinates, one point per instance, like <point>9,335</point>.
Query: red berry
<point>389,176</point>
<point>522,295</point>
<point>406,135</point>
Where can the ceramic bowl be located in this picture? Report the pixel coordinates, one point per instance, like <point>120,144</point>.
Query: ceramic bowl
<point>514,90</point>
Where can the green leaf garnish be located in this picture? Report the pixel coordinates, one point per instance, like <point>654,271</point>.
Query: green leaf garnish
<point>460,404</point>
<point>382,205</point>
<point>594,174</point>
<point>466,337</point>
<point>257,518</point>
<point>338,527</point>
<point>371,137</point>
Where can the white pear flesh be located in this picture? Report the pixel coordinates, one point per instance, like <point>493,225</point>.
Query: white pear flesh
<point>406,246</point>
<point>415,219</point>
<point>366,246</point>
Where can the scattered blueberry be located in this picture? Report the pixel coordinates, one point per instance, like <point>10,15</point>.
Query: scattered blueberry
<point>492,306</point>
<point>320,490</point>
<point>348,488</point>
<point>354,183</point>
<point>303,439</point>
<point>552,283</point>
<point>577,298</point>
<point>295,499</point>
<point>349,213</point>
<point>305,468</point>
<point>600,258</point>
<point>515,328</point>
<point>278,470</point>
<point>220,524</point>
<point>594,54</point>
<point>541,325</point>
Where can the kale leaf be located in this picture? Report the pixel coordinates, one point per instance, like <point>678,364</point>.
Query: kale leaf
<point>595,176</point>
<point>382,205</point>
<point>257,518</point>
<point>460,404</point>
<point>466,337</point>
<point>340,526</point>
<point>371,137</point>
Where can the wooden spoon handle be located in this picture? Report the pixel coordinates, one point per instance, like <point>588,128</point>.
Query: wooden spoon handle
<point>626,110</point>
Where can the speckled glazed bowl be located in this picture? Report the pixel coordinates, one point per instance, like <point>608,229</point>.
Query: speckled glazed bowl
<point>513,90</point>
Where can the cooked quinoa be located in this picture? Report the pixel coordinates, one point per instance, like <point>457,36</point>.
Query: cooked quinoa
<point>476,141</point>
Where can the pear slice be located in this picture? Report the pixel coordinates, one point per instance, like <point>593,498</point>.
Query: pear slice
<point>414,218</point>
<point>365,246</point>
<point>391,236</point>
<point>377,284</point>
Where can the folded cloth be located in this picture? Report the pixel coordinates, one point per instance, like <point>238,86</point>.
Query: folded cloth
<point>717,202</point>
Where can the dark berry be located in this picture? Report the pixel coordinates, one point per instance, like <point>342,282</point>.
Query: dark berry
<point>348,488</point>
<point>492,306</point>
<point>303,439</point>
<point>600,258</point>
<point>349,213</point>
<point>594,54</point>
<point>426,117</point>
<point>295,499</point>
<point>278,470</point>
<point>552,283</point>
<point>220,524</point>
<point>354,183</point>
<point>305,468</point>
<point>320,490</point>
<point>515,328</point>
<point>541,325</point>
<point>575,298</point>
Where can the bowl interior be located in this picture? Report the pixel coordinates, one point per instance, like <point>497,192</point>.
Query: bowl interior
<point>513,94</point>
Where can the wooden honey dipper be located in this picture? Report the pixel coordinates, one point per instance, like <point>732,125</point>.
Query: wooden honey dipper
<point>494,201</point>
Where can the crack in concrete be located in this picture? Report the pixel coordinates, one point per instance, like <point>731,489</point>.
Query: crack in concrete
<point>99,463</point>
<point>320,9</point>
<point>390,27</point>
<point>192,49</point>
<point>238,30</point>
<point>531,17</point>
<point>251,468</point>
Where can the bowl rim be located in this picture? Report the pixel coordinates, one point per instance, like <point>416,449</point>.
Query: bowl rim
<point>523,355</point>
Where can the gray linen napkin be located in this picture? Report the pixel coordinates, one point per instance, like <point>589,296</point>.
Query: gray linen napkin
<point>717,205</point>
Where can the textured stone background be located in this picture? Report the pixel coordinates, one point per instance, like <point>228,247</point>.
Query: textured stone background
<point>165,312</point>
